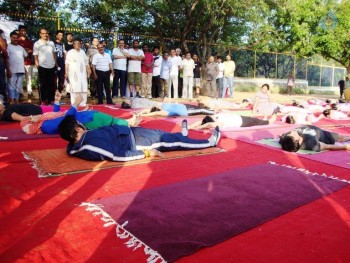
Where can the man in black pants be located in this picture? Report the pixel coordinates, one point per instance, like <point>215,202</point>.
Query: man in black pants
<point>102,69</point>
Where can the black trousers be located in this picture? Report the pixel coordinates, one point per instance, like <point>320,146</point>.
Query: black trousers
<point>119,82</point>
<point>103,82</point>
<point>250,121</point>
<point>60,76</point>
<point>156,87</point>
<point>47,84</point>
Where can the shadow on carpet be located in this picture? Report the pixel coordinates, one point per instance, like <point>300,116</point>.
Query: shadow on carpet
<point>175,220</point>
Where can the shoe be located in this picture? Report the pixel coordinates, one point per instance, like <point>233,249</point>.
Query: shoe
<point>215,137</point>
<point>276,110</point>
<point>184,128</point>
<point>114,97</point>
<point>138,96</point>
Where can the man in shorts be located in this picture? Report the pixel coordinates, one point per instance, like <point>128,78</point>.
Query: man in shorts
<point>136,55</point>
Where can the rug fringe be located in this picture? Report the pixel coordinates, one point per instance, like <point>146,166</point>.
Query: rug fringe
<point>122,233</point>
<point>41,173</point>
<point>310,173</point>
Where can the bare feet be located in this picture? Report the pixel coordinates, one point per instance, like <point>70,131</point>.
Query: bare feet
<point>134,120</point>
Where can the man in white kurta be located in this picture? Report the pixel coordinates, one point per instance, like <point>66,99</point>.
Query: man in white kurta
<point>77,71</point>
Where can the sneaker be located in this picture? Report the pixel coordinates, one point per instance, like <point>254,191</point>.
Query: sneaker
<point>184,128</point>
<point>138,96</point>
<point>215,137</point>
<point>276,110</point>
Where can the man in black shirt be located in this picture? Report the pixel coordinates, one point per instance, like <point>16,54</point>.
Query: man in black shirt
<point>312,138</point>
<point>60,54</point>
<point>341,85</point>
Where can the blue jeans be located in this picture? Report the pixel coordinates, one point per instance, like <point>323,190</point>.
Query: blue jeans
<point>119,75</point>
<point>228,81</point>
<point>15,85</point>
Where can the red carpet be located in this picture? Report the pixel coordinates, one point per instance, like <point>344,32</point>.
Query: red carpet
<point>41,220</point>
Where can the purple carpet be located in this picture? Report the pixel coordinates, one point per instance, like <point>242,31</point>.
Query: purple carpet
<point>19,135</point>
<point>175,220</point>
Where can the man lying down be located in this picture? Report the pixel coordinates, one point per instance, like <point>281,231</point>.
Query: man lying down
<point>123,143</point>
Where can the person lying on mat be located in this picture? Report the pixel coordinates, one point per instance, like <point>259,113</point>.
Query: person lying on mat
<point>221,104</point>
<point>19,112</point>
<point>48,123</point>
<point>121,143</point>
<point>230,120</point>
<point>312,138</point>
<point>155,108</point>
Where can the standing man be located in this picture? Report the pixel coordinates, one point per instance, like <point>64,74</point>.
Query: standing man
<point>69,42</point>
<point>120,55</point>
<point>45,60</point>
<point>156,85</point>
<point>212,72</point>
<point>107,51</point>
<point>229,73</point>
<point>134,68</point>
<point>91,52</point>
<point>15,68</point>
<point>180,78</point>
<point>187,66</point>
<point>165,75</point>
<point>27,44</point>
<point>220,77</point>
<point>61,56</point>
<point>174,73</point>
<point>341,85</point>
<point>77,72</point>
<point>197,74</point>
<point>3,63</point>
<point>102,69</point>
<point>147,72</point>
<point>290,84</point>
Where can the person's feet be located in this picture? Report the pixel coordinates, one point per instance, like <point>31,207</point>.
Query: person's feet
<point>184,128</point>
<point>215,137</point>
<point>276,110</point>
<point>135,120</point>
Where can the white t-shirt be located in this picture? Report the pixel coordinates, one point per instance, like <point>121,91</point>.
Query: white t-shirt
<point>119,63</point>
<point>135,65</point>
<point>187,66</point>
<point>175,64</point>
<point>16,58</point>
<point>157,65</point>
<point>229,120</point>
<point>102,61</point>
<point>45,51</point>
<point>221,70</point>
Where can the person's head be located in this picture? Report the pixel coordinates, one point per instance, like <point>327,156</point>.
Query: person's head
<point>245,101</point>
<point>104,43</point>
<point>334,106</point>
<point>22,31</point>
<point>69,128</point>
<point>69,37</point>
<point>289,142</point>
<point>95,41</point>
<point>207,119</point>
<point>44,34</point>
<point>59,35</point>
<point>265,88</point>
<point>165,55</point>
<point>172,52</point>
<point>77,44</point>
<point>87,45</point>
<point>144,48</point>
<point>125,105</point>
<point>219,59</point>
<point>156,51</point>
<point>14,38</point>
<point>327,113</point>
<point>195,57</point>
<point>228,57</point>
<point>347,78</point>
<point>100,49</point>
<point>201,105</point>
<point>135,44</point>
<point>121,43</point>
<point>290,119</point>
<point>211,59</point>
<point>188,55</point>
<point>178,52</point>
<point>154,109</point>
<point>183,56</point>
<point>328,101</point>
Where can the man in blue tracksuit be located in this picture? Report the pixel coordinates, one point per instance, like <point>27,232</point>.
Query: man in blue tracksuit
<point>122,143</point>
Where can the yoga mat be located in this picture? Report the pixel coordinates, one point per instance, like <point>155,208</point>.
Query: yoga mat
<point>19,135</point>
<point>56,162</point>
<point>175,220</point>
